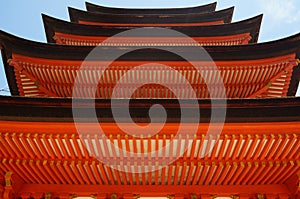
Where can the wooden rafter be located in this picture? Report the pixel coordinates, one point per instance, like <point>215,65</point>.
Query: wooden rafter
<point>257,78</point>
<point>245,163</point>
<point>201,41</point>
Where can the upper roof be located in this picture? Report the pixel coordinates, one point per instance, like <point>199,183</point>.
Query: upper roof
<point>270,64</point>
<point>250,26</point>
<point>80,16</point>
<point>197,9</point>
<point>12,44</point>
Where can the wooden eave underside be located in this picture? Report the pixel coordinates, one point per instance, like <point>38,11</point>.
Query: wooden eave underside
<point>257,152</point>
<point>73,54</point>
<point>251,26</point>
<point>76,40</point>
<point>196,9</point>
<point>222,16</point>
<point>251,79</point>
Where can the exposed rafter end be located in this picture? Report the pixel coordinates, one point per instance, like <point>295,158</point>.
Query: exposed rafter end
<point>8,189</point>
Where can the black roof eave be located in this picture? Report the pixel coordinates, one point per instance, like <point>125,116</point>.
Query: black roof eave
<point>11,43</point>
<point>225,15</point>
<point>251,25</point>
<point>195,9</point>
<point>237,110</point>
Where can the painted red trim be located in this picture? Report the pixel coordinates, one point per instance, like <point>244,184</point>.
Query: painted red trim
<point>44,61</point>
<point>168,129</point>
<point>243,37</point>
<point>158,191</point>
<point>149,24</point>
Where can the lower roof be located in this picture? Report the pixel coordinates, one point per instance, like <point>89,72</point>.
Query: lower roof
<point>44,153</point>
<point>237,110</point>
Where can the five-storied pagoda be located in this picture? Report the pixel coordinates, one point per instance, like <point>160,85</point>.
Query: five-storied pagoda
<point>232,121</point>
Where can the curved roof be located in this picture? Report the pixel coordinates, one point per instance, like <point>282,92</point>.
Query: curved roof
<point>222,16</point>
<point>13,44</point>
<point>256,149</point>
<point>279,54</point>
<point>197,9</point>
<point>251,26</point>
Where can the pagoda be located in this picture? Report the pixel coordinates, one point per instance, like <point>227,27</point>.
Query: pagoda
<point>132,103</point>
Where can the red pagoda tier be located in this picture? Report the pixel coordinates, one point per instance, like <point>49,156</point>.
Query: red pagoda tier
<point>186,19</point>
<point>160,11</point>
<point>248,71</point>
<point>86,120</point>
<point>243,32</point>
<point>43,156</point>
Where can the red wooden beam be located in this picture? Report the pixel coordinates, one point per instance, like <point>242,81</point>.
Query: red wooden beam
<point>161,190</point>
<point>151,25</point>
<point>63,38</point>
<point>68,129</point>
